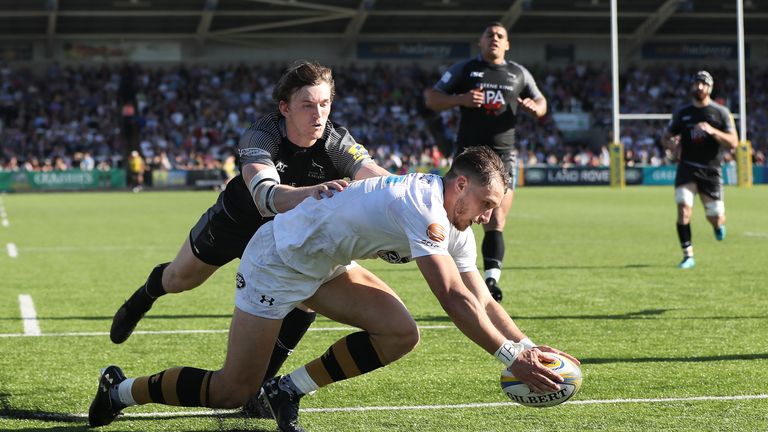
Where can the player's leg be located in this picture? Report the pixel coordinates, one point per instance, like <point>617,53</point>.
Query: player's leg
<point>250,341</point>
<point>362,300</point>
<point>492,246</point>
<point>712,194</point>
<point>207,248</point>
<point>684,195</point>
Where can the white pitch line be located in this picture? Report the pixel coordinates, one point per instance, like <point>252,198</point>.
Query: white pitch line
<point>172,332</point>
<point>29,315</point>
<point>13,251</point>
<point>214,413</point>
<point>756,234</point>
<point>3,215</point>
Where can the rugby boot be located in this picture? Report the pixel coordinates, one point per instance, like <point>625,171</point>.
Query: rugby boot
<point>687,263</point>
<point>104,409</point>
<point>494,289</point>
<point>720,233</point>
<point>257,406</point>
<point>128,316</point>
<point>284,405</point>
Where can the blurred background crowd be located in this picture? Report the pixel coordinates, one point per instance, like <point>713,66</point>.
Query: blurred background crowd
<point>191,116</point>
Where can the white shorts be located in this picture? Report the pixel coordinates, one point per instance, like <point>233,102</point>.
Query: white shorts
<point>268,288</point>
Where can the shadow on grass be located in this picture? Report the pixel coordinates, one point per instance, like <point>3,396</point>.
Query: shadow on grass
<point>641,314</point>
<point>645,313</point>
<point>727,357</point>
<point>79,422</point>
<point>109,318</point>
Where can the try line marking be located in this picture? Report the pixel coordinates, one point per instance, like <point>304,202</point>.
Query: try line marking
<point>29,316</point>
<point>3,215</point>
<point>214,413</point>
<point>171,332</point>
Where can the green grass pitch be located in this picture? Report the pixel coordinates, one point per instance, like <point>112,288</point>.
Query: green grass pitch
<point>589,270</point>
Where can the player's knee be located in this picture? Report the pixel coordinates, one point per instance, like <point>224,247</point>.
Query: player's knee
<point>684,195</point>
<point>714,208</point>
<point>404,338</point>
<point>400,338</point>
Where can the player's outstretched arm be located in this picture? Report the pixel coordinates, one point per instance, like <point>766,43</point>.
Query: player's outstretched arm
<point>499,316</point>
<point>371,170</point>
<point>271,197</point>
<point>470,317</point>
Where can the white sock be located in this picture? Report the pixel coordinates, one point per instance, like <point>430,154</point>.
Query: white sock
<point>124,392</point>
<point>494,273</point>
<point>303,381</point>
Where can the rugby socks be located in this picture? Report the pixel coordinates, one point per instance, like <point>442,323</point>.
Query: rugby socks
<point>295,325</point>
<point>154,286</point>
<point>349,357</point>
<point>180,386</point>
<point>684,234</point>
<point>493,254</point>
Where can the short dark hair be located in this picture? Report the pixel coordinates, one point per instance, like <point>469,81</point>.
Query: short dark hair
<point>302,73</point>
<point>479,163</point>
<point>495,24</point>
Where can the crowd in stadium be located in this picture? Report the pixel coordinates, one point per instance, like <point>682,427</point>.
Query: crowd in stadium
<point>190,117</point>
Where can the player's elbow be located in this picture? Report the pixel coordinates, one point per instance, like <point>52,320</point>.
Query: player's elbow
<point>430,100</point>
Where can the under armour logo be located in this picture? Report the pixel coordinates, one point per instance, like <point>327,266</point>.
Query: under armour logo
<point>264,299</point>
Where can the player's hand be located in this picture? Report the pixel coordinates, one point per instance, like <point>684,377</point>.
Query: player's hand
<point>472,98</point>
<point>328,188</point>
<point>549,349</point>
<point>539,378</point>
<point>703,127</point>
<point>528,105</point>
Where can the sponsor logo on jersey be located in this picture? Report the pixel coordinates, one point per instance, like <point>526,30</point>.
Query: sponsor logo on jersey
<point>239,281</point>
<point>429,244</point>
<point>393,257</point>
<point>493,102</point>
<point>436,232</point>
<point>476,74</point>
<point>358,152</point>
<point>316,171</point>
<point>281,167</point>
<point>253,152</point>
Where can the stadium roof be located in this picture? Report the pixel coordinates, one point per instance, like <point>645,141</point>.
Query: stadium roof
<point>244,21</point>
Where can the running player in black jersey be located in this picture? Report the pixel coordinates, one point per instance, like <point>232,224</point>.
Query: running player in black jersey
<point>285,156</point>
<point>698,133</point>
<point>489,91</point>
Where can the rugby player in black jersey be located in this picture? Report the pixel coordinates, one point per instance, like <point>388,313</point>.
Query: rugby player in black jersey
<point>285,157</point>
<point>489,91</point>
<point>698,134</point>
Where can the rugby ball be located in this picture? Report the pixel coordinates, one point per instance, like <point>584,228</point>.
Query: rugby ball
<point>520,393</point>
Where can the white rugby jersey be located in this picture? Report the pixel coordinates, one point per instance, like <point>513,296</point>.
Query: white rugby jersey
<point>396,218</point>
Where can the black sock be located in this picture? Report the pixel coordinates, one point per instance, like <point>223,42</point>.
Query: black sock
<point>684,234</point>
<point>295,325</point>
<point>154,285</point>
<point>493,250</point>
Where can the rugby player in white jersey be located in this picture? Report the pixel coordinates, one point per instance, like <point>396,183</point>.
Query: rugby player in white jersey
<point>296,258</point>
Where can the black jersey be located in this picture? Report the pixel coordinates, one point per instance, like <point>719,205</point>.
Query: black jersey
<point>334,156</point>
<point>699,148</point>
<point>492,124</point>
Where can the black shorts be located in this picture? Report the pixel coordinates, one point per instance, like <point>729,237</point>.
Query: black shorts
<point>708,180</point>
<point>510,163</point>
<point>217,238</point>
